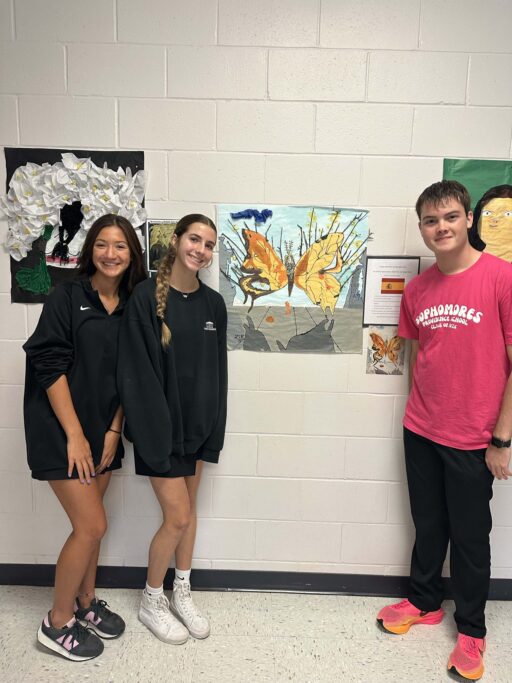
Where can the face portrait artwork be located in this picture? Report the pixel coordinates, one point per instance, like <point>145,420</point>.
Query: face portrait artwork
<point>492,222</point>
<point>495,227</point>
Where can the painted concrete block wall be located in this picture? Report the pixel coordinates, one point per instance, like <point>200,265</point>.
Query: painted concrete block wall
<point>338,102</point>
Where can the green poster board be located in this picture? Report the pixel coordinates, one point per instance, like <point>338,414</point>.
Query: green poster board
<point>478,175</point>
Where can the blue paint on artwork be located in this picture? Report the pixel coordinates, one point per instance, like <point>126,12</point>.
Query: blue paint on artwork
<point>259,217</point>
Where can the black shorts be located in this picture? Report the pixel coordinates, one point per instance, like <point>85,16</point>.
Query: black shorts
<point>62,473</point>
<point>181,466</point>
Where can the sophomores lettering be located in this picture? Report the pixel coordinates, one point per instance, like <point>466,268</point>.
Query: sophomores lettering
<point>455,313</point>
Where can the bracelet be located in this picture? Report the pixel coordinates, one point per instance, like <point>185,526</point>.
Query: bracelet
<point>500,443</point>
<point>113,430</point>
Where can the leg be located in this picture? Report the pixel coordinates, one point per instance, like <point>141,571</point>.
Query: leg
<point>95,613</point>
<point>185,547</point>
<point>425,478</point>
<point>154,607</point>
<point>468,493</point>
<point>84,507</point>
<point>182,604</point>
<point>172,494</point>
<point>86,590</point>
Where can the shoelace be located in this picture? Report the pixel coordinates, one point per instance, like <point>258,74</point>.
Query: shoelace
<point>99,609</point>
<point>78,632</point>
<point>399,605</point>
<point>162,607</point>
<point>469,645</point>
<point>186,602</point>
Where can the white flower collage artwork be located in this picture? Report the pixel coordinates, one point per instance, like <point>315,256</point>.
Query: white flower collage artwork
<point>37,193</point>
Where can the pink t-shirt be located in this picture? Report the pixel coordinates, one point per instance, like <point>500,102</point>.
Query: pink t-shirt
<point>463,323</point>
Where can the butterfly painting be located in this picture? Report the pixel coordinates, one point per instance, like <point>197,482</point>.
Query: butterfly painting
<point>386,353</point>
<point>302,265</point>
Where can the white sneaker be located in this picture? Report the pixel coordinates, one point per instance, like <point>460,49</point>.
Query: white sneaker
<point>155,614</point>
<point>183,607</point>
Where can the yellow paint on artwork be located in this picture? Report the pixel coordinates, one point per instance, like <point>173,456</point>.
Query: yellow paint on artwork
<point>495,227</point>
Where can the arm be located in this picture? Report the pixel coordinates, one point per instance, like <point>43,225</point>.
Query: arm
<point>140,382</point>
<point>415,345</point>
<point>498,459</point>
<point>50,351</point>
<point>215,441</point>
<point>111,441</point>
<point>79,451</point>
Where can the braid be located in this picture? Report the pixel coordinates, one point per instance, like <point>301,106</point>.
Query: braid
<point>162,290</point>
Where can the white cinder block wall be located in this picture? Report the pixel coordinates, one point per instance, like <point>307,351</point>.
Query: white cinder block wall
<point>344,102</point>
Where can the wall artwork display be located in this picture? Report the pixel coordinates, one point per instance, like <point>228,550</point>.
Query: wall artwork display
<point>385,281</point>
<point>53,197</point>
<point>386,351</point>
<point>490,186</point>
<point>158,236</point>
<point>292,277</point>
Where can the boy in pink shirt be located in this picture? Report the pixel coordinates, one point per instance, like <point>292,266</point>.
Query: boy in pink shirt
<point>458,420</point>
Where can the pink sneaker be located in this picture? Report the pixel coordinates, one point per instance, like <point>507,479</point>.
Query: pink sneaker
<point>466,658</point>
<point>399,617</point>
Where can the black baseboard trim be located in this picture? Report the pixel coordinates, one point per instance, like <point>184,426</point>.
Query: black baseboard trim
<point>239,580</point>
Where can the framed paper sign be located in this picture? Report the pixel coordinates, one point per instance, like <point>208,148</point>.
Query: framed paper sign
<point>386,277</point>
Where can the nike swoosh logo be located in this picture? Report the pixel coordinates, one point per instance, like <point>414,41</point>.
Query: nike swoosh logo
<point>85,308</point>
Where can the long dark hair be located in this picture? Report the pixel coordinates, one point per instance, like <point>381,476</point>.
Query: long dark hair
<point>165,268</point>
<point>135,272</point>
<point>498,191</point>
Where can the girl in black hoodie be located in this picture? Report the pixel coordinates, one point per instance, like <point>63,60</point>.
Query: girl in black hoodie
<point>173,384</point>
<point>73,423</point>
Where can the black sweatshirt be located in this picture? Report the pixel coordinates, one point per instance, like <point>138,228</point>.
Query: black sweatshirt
<point>75,337</point>
<point>174,399</point>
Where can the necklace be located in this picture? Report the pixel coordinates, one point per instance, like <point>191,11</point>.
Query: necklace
<point>185,295</point>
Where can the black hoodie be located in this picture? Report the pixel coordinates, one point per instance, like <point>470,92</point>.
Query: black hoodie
<point>174,399</point>
<point>76,337</point>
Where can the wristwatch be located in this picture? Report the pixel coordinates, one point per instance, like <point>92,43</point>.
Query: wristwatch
<point>499,443</point>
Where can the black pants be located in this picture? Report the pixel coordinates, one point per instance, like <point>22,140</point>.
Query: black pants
<point>449,491</point>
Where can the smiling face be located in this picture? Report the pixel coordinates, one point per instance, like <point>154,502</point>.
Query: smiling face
<point>111,254</point>
<point>194,248</point>
<point>495,227</point>
<point>444,227</point>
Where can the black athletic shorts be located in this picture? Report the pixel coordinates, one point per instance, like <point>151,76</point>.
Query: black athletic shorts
<point>61,473</point>
<point>181,466</point>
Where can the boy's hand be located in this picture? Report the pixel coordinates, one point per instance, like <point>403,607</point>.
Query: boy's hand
<point>498,461</point>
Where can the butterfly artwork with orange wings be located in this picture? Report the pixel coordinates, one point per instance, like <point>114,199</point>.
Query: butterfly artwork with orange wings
<point>386,354</point>
<point>298,256</point>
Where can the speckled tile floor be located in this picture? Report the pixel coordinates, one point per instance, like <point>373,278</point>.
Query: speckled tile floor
<point>255,637</point>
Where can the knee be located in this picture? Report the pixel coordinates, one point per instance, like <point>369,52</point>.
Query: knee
<point>179,521</point>
<point>93,530</point>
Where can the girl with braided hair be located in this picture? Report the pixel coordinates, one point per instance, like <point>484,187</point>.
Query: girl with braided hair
<point>172,378</point>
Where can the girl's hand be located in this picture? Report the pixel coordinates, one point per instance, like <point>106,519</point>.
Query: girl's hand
<point>80,456</point>
<point>109,450</point>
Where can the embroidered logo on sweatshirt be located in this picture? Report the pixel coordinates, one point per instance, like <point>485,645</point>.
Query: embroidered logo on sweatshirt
<point>85,308</point>
<point>210,327</point>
